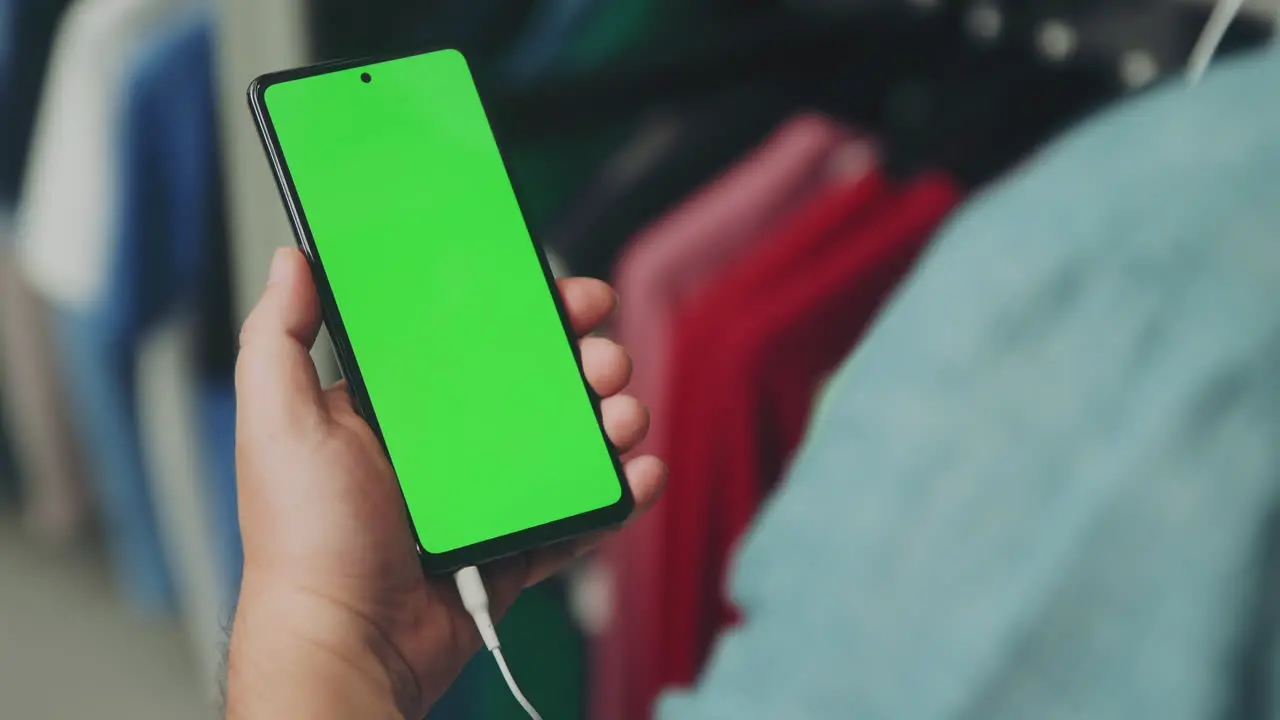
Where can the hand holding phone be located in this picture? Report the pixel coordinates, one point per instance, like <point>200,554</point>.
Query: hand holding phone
<point>443,312</point>
<point>334,600</point>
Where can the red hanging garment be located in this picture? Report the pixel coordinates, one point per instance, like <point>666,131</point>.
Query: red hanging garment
<point>687,582</point>
<point>662,266</point>
<point>749,388</point>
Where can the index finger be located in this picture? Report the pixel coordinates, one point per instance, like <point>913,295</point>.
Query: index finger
<point>588,301</point>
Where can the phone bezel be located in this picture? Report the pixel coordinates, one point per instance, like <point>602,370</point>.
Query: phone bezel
<point>489,550</point>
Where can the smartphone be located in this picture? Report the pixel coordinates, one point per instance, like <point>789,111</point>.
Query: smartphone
<point>442,308</point>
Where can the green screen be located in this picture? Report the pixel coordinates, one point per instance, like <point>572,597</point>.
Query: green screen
<point>463,353</point>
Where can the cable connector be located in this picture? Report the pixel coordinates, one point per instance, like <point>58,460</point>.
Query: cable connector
<point>475,598</point>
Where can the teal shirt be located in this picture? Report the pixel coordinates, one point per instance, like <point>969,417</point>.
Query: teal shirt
<point>1044,486</point>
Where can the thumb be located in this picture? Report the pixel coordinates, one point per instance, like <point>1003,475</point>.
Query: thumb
<point>276,381</point>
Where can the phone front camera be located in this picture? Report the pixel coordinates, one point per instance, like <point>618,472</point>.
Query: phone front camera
<point>366,77</point>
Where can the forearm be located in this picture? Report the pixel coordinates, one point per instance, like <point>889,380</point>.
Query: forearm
<point>297,658</point>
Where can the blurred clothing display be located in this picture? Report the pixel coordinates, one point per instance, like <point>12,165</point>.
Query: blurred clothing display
<point>669,157</point>
<point>665,264</point>
<point>9,491</point>
<point>75,162</point>
<point>736,341</point>
<point>216,429</point>
<point>74,153</point>
<point>802,298</point>
<point>482,29</point>
<point>99,374</point>
<point>164,283</point>
<point>26,34</point>
<point>167,177</point>
<point>555,171</point>
<point>543,40</point>
<point>45,453</point>
<point>48,455</point>
<point>1045,485</point>
<point>617,28</point>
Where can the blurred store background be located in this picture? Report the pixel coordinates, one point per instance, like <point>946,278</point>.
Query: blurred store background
<point>1043,482</point>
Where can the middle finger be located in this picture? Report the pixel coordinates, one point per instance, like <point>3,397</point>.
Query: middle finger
<point>606,364</point>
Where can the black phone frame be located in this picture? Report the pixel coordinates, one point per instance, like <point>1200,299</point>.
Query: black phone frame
<point>489,550</point>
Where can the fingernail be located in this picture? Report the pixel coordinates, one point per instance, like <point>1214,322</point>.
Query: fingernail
<point>279,266</point>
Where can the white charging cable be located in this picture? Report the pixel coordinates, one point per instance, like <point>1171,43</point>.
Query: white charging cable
<point>476,600</point>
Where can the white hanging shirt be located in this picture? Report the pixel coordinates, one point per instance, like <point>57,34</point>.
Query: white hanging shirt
<point>67,217</point>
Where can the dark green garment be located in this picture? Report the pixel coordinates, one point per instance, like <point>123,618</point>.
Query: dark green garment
<point>546,653</point>
<point>545,650</point>
<point>548,173</point>
<point>481,29</point>
<point>615,28</point>
<point>668,157</point>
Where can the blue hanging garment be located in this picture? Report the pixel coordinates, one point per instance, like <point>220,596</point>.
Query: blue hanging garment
<point>171,255</point>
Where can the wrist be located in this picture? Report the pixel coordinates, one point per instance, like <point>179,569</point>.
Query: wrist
<point>295,654</point>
